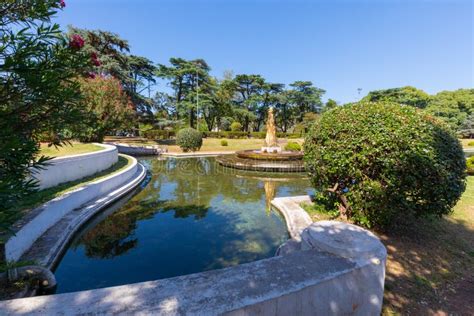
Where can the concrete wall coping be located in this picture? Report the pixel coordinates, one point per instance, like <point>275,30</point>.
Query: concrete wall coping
<point>106,148</point>
<point>296,218</point>
<point>73,167</point>
<point>32,226</point>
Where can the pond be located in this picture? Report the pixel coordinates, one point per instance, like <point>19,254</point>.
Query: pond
<point>190,215</point>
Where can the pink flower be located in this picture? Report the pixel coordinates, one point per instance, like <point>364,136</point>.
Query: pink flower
<point>95,60</point>
<point>76,42</point>
<point>62,4</point>
<point>91,75</point>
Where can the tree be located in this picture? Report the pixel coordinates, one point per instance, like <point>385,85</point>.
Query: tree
<point>135,73</point>
<point>38,93</point>
<point>330,104</point>
<point>305,98</point>
<point>109,107</point>
<point>248,95</point>
<point>404,95</point>
<point>453,107</point>
<point>189,79</point>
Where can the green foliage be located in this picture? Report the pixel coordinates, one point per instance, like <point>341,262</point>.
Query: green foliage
<point>454,107</point>
<point>224,143</point>
<point>38,95</point>
<point>470,144</point>
<point>189,139</point>
<point>154,134</point>
<point>259,135</point>
<point>236,127</point>
<point>293,146</point>
<point>235,135</point>
<point>109,108</point>
<point>470,166</point>
<point>404,95</point>
<point>391,162</point>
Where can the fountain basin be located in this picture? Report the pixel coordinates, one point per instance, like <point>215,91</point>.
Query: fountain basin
<point>256,160</point>
<point>271,156</point>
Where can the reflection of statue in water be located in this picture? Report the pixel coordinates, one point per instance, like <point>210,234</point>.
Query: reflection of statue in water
<point>271,142</point>
<point>270,190</point>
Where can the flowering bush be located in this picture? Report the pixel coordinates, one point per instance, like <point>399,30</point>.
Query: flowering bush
<point>76,42</point>
<point>108,107</point>
<point>385,163</point>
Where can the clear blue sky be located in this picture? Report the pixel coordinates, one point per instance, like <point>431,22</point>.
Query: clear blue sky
<point>338,45</point>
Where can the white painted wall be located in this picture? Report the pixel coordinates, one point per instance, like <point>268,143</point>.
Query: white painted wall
<point>51,212</point>
<point>70,168</point>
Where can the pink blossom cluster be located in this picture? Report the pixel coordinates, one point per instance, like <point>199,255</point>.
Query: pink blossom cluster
<point>95,60</point>
<point>62,4</point>
<point>76,41</point>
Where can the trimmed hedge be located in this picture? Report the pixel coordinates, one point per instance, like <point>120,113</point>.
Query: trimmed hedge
<point>224,143</point>
<point>189,139</point>
<point>158,134</point>
<point>293,146</point>
<point>392,163</point>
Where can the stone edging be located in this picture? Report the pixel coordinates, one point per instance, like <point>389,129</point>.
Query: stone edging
<point>136,150</point>
<point>92,196</point>
<point>295,217</point>
<point>198,154</point>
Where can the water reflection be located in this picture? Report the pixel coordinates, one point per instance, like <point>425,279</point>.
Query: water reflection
<point>193,215</point>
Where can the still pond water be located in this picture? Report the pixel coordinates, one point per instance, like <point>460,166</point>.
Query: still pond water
<point>191,215</point>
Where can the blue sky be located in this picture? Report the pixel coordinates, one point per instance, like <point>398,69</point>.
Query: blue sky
<point>338,45</point>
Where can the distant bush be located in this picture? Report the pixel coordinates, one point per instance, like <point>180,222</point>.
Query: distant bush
<point>470,166</point>
<point>189,139</point>
<point>470,144</point>
<point>293,146</point>
<point>224,143</point>
<point>391,163</point>
<point>236,127</point>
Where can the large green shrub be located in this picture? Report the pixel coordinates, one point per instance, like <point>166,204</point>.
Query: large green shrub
<point>391,162</point>
<point>189,139</point>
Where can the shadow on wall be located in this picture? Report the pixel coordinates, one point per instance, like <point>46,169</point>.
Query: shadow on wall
<point>430,267</point>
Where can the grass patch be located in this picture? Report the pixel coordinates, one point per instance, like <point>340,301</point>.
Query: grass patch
<point>43,196</point>
<point>74,148</point>
<point>208,144</point>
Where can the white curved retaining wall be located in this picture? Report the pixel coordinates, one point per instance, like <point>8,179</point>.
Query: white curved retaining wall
<point>70,168</point>
<point>50,213</point>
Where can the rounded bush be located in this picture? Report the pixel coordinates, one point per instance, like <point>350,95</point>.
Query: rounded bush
<point>236,127</point>
<point>189,139</point>
<point>470,144</point>
<point>224,142</point>
<point>391,163</point>
<point>293,146</point>
<point>470,166</point>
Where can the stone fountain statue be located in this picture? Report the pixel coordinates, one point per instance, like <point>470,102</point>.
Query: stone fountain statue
<point>271,142</point>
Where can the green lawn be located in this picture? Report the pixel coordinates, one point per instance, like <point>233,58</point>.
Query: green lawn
<point>209,144</point>
<point>40,197</point>
<point>73,148</point>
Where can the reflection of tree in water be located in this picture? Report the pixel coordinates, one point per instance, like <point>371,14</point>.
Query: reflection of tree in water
<point>111,237</point>
<point>193,183</point>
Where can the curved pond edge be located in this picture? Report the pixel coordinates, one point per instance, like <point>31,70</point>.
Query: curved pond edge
<point>73,167</point>
<point>339,268</point>
<point>43,234</point>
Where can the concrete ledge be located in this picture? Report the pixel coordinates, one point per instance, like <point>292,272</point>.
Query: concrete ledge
<point>135,150</point>
<point>295,217</point>
<point>32,227</point>
<point>198,154</point>
<point>70,168</point>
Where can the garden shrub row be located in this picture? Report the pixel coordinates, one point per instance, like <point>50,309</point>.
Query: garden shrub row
<point>164,134</point>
